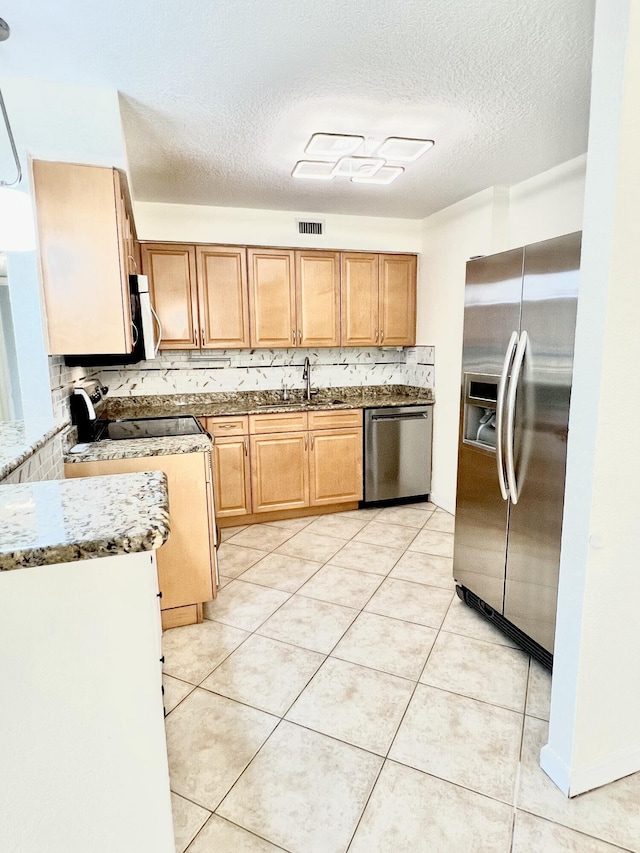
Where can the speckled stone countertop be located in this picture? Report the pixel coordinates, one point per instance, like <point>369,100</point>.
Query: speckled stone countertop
<point>21,439</point>
<point>131,448</point>
<point>259,402</point>
<point>60,521</point>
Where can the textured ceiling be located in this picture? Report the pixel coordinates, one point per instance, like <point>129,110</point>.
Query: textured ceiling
<point>220,96</point>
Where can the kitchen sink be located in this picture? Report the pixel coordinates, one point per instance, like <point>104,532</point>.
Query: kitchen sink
<point>298,403</point>
<point>279,404</point>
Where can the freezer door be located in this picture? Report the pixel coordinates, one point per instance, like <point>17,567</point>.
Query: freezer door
<point>492,313</point>
<point>549,304</point>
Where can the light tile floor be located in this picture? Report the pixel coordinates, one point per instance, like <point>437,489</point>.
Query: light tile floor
<point>338,696</point>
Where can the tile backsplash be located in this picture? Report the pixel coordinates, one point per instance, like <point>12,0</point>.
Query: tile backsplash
<point>207,371</point>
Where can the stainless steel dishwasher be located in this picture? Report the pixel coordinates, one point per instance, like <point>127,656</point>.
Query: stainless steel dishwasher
<point>397,452</point>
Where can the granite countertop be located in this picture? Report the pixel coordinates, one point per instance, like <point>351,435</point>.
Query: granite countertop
<point>261,402</point>
<point>60,521</point>
<point>21,439</point>
<point>136,447</point>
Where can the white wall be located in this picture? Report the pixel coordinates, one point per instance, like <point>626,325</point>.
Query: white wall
<point>200,224</point>
<point>594,735</point>
<point>497,219</point>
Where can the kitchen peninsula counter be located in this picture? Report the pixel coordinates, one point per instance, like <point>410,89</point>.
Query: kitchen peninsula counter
<point>261,402</point>
<point>100,451</point>
<point>62,521</point>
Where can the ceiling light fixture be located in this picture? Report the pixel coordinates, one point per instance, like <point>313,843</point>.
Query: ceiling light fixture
<point>16,217</point>
<point>333,144</point>
<point>319,170</point>
<point>363,167</point>
<point>403,149</point>
<point>384,175</point>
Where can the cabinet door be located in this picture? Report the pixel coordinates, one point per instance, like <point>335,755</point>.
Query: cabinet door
<point>186,560</point>
<point>359,299</point>
<point>223,297</point>
<point>231,476</point>
<point>279,471</point>
<point>397,300</point>
<point>172,283</point>
<point>318,299</point>
<point>79,246</point>
<point>335,466</point>
<point>272,298</point>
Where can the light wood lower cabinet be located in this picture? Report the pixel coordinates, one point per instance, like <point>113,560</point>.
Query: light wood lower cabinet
<point>186,562</point>
<point>279,471</point>
<point>232,476</point>
<point>335,466</point>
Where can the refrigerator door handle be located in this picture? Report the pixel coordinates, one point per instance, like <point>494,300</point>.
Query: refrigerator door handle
<point>518,360</point>
<point>502,387</point>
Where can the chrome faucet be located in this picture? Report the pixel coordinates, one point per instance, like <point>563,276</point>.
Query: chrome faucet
<point>306,376</point>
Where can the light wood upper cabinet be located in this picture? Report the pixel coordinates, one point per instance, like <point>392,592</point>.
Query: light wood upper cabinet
<point>186,573</point>
<point>231,476</point>
<point>318,298</point>
<point>85,233</point>
<point>378,299</point>
<point>223,297</point>
<point>397,300</point>
<point>359,299</point>
<point>272,297</point>
<point>171,268</point>
<point>279,471</point>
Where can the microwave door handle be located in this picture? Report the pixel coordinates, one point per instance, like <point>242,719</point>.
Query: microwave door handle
<point>157,319</point>
<point>500,400</point>
<point>518,360</point>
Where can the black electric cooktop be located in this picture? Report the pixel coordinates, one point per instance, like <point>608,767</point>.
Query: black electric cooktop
<point>128,428</point>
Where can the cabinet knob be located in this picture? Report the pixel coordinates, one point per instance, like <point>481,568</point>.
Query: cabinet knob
<point>381,335</point>
<point>375,334</point>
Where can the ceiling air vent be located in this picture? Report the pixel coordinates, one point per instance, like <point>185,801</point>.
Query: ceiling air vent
<point>307,227</point>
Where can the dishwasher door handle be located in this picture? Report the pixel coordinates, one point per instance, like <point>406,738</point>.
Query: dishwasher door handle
<point>409,417</point>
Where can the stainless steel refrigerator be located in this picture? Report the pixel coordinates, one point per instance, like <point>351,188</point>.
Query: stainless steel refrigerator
<point>517,364</point>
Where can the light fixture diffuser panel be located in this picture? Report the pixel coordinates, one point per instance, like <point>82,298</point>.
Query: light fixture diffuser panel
<point>384,175</point>
<point>404,149</point>
<point>357,167</point>
<point>333,144</point>
<point>312,170</point>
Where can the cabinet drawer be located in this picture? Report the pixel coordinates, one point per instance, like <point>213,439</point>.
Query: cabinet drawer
<point>233,425</point>
<point>285,422</point>
<point>335,419</point>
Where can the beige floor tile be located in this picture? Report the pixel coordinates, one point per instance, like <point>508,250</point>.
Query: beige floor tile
<point>484,671</point>
<point>538,691</point>
<point>388,535</point>
<point>227,533</point>
<point>188,818</point>
<point>433,542</point>
<point>337,525</point>
<point>265,537</point>
<point>341,586</point>
<point>295,524</point>
<point>367,514</point>
<point>461,740</point>
<point>191,652</point>
<point>234,559</point>
<point>464,620</point>
<point>534,835</point>
<point>220,836</point>
<point>311,624</point>
<point>609,813</point>
<point>210,740</point>
<point>244,605</point>
<point>353,703</point>
<point>224,581</point>
<point>367,558</point>
<point>442,521</point>
<point>410,811</point>
<point>312,546</point>
<point>413,602</point>
<point>424,568</point>
<point>405,515</point>
<point>399,648</point>
<point>264,673</point>
<point>281,572</point>
<point>303,791</point>
<point>174,692</point>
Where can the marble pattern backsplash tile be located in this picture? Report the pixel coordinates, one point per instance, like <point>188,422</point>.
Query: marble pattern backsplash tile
<point>179,372</point>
